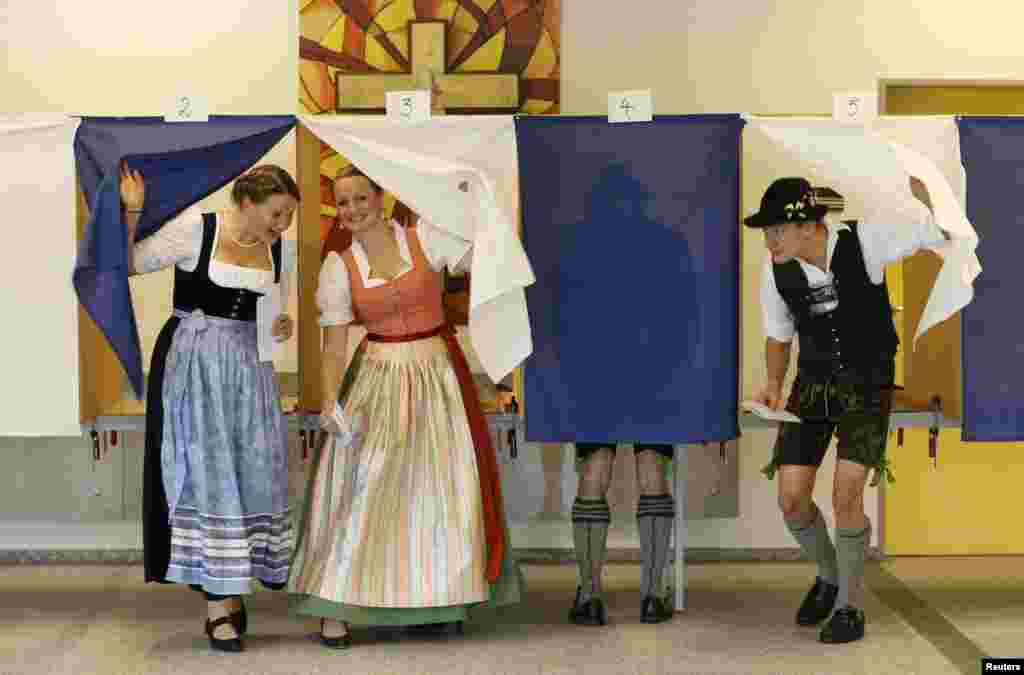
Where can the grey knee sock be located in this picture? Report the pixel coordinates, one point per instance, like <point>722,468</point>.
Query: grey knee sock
<point>655,515</point>
<point>590,520</point>
<point>851,547</point>
<point>814,540</point>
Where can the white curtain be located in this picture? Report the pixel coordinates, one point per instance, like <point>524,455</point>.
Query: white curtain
<point>870,167</point>
<point>39,358</point>
<point>460,173</point>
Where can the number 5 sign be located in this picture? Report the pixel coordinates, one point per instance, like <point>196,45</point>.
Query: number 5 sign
<point>855,107</point>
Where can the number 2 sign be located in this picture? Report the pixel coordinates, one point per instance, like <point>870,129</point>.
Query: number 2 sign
<point>188,109</point>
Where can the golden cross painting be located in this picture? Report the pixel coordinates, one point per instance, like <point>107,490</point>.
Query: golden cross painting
<point>477,55</point>
<point>367,37</point>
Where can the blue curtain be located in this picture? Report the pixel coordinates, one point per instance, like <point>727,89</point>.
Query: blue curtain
<point>633,233</point>
<point>181,163</point>
<point>992,149</point>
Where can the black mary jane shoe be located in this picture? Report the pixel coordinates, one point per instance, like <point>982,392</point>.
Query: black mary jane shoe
<point>846,625</point>
<point>589,613</point>
<point>339,642</point>
<point>818,604</point>
<point>654,610</point>
<point>223,645</point>
<point>437,629</point>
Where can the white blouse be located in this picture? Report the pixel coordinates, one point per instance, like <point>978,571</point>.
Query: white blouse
<point>333,294</point>
<point>180,241</point>
<point>881,246</point>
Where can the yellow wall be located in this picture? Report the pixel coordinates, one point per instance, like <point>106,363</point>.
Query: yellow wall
<point>964,502</point>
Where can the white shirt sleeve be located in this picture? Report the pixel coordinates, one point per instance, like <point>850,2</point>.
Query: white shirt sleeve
<point>778,321</point>
<point>883,245</point>
<point>333,293</point>
<point>178,242</point>
<point>443,249</point>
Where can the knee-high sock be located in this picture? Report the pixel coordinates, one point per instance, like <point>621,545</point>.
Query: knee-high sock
<point>655,515</point>
<point>851,549</point>
<point>590,520</point>
<point>813,538</point>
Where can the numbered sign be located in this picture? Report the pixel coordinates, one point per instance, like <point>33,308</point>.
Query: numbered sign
<point>630,106</point>
<point>188,109</point>
<point>408,106</point>
<point>855,107</point>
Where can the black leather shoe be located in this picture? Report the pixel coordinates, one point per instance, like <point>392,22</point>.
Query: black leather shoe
<point>589,613</point>
<point>437,629</point>
<point>846,625</point>
<point>223,645</point>
<point>338,642</point>
<point>654,610</point>
<point>818,604</point>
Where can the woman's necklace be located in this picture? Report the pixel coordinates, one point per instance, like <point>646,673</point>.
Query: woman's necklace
<point>232,237</point>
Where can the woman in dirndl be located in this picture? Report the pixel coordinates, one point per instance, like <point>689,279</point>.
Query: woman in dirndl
<point>215,495</point>
<point>403,522</point>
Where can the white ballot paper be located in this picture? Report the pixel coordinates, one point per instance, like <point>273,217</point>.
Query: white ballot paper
<point>268,308</point>
<point>767,413</point>
<point>272,304</point>
<point>347,435</point>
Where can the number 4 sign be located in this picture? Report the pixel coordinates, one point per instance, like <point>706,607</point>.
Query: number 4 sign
<point>630,106</point>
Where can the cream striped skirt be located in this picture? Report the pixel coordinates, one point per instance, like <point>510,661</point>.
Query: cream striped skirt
<point>394,519</point>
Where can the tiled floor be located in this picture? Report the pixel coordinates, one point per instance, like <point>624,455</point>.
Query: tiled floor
<point>924,616</point>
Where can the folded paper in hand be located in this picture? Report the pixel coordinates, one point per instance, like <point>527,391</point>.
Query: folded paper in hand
<point>345,434</point>
<point>767,413</point>
<point>268,308</point>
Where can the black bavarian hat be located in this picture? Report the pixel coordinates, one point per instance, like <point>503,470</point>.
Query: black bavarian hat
<point>787,200</point>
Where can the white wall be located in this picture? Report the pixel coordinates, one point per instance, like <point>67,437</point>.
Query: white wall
<point>110,57</point>
<point>777,56</point>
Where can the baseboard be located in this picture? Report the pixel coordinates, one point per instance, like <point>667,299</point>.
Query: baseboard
<point>523,555</point>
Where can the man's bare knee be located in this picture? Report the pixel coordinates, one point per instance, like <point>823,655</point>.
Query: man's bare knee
<point>795,505</point>
<point>595,474</point>
<point>650,473</point>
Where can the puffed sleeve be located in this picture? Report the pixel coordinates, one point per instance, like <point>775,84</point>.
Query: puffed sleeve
<point>444,249</point>
<point>333,294</point>
<point>178,242</point>
<point>883,245</point>
<point>778,321</point>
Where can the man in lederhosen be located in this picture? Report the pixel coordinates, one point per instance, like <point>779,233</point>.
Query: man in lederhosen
<point>826,282</point>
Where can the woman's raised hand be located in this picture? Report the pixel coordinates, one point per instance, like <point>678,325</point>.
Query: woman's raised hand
<point>133,189</point>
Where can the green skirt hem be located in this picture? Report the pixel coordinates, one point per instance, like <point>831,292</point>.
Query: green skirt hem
<point>308,605</point>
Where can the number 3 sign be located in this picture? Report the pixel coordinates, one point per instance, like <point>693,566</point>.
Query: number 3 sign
<point>408,106</point>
